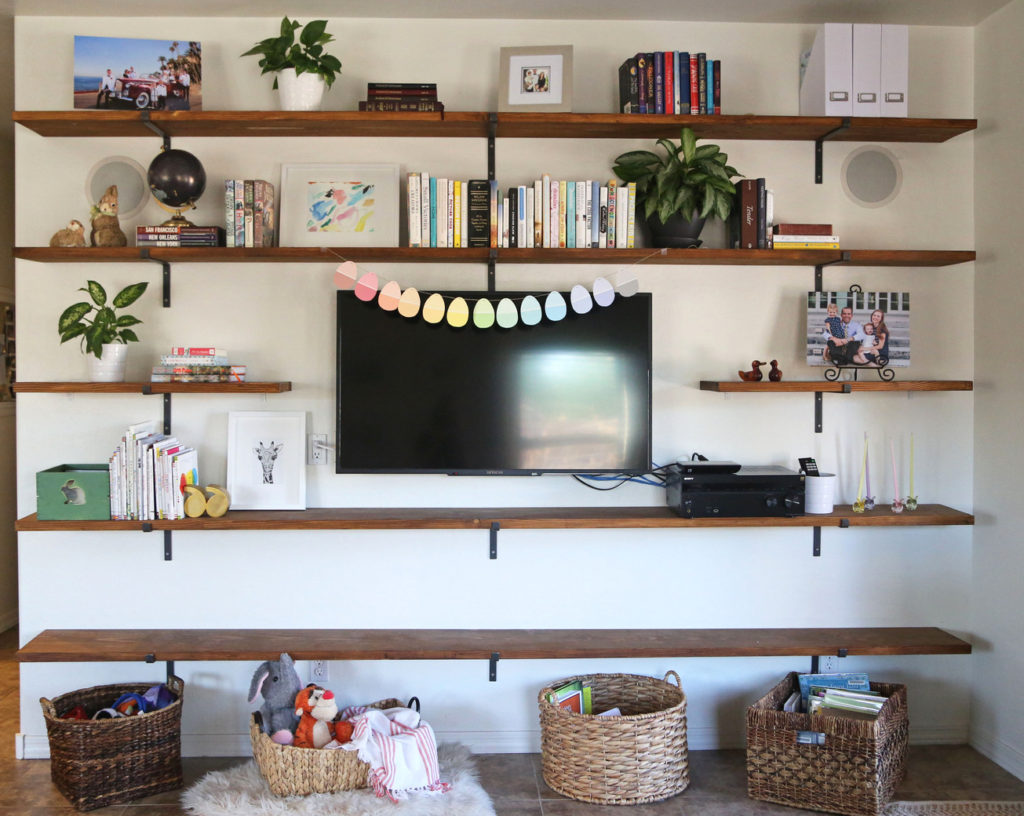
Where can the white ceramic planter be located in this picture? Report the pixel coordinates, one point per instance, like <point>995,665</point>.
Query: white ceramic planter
<point>302,92</point>
<point>110,367</point>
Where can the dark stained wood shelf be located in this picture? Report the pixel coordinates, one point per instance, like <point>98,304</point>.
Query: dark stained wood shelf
<point>72,645</point>
<point>803,386</point>
<point>476,124</point>
<point>151,388</point>
<point>539,518</point>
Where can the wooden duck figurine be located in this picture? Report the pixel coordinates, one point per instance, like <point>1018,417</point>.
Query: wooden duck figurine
<point>775,375</point>
<point>754,375</point>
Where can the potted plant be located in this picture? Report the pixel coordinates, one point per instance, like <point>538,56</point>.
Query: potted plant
<point>105,336</point>
<point>676,192</point>
<point>302,68</point>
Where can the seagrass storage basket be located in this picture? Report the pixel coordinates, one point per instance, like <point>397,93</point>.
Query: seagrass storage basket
<point>96,763</point>
<point>291,771</point>
<point>631,759</point>
<point>854,770</point>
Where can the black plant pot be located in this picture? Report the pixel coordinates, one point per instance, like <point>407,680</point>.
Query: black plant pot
<point>676,233</point>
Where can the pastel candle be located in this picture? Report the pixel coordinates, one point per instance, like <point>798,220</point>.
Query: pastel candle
<point>912,465</point>
<point>895,480</point>
<point>863,465</point>
<point>867,466</point>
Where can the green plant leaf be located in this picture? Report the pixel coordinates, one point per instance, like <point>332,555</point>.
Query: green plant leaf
<point>76,330</point>
<point>130,294</point>
<point>288,28</point>
<point>72,315</point>
<point>688,143</point>
<point>312,33</point>
<point>96,292</point>
<point>127,320</point>
<point>706,151</point>
<point>128,336</point>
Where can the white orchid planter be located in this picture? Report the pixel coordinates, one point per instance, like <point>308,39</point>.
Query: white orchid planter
<point>300,92</point>
<point>111,366</point>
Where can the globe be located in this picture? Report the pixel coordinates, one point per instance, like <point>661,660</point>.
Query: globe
<point>176,178</point>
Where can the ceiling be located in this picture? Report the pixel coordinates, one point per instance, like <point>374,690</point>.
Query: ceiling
<point>911,12</point>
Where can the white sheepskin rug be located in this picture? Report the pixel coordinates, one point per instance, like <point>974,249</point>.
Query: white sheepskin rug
<point>241,791</point>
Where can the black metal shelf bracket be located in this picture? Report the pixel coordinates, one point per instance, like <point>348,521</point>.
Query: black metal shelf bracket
<point>144,254</point>
<point>492,666</point>
<point>818,152</point>
<point>168,546</point>
<point>844,257</point>
<point>167,414</point>
<point>148,122</point>
<point>495,526</point>
<point>492,259</point>
<point>492,132</point>
<point>151,658</point>
<point>816,550</point>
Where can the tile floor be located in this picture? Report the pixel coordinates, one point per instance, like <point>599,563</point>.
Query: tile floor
<point>718,778</point>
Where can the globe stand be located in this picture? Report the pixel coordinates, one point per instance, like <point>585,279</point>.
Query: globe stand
<point>177,220</point>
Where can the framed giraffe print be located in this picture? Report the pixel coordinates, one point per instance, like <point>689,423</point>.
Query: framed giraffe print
<point>267,460</point>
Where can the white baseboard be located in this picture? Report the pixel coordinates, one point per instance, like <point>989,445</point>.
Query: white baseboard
<point>999,751</point>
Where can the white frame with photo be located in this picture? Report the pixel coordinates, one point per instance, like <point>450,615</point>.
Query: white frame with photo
<point>294,206</point>
<point>514,96</point>
<point>245,482</point>
<point>863,304</point>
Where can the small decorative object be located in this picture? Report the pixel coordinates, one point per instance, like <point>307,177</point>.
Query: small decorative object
<point>107,334</point>
<point>73,235</point>
<point>911,502</point>
<point>278,683</point>
<point>677,191</point>
<point>195,501</point>
<point>754,375</point>
<point>127,175</point>
<point>869,500</point>
<point>317,708</point>
<point>218,500</point>
<point>859,506</point>
<point>302,68</point>
<point>775,375</point>
<point>897,502</point>
<point>176,180</point>
<point>858,330</point>
<point>535,78</point>
<point>266,460</point>
<point>106,228</point>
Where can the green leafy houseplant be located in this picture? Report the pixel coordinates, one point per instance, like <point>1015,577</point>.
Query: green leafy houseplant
<point>106,326</point>
<point>687,179</point>
<point>305,56</point>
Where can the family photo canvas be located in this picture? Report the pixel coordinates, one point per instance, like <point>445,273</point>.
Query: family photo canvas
<point>858,329</point>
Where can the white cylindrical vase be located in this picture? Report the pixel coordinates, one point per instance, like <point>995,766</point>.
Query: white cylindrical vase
<point>110,367</point>
<point>300,92</point>
<point>820,491</point>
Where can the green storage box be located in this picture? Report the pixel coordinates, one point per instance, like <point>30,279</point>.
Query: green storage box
<point>73,493</point>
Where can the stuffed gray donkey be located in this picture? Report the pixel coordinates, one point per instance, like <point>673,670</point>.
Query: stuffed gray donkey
<point>278,682</point>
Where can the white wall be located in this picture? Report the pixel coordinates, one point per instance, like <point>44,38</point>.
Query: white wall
<point>708,323</point>
<point>997,727</point>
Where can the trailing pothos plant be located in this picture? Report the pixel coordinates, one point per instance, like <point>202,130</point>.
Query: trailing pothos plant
<point>691,180</point>
<point>305,56</point>
<point>105,326</point>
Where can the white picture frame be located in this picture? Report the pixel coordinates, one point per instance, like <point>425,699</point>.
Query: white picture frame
<point>262,445</point>
<point>535,79</point>
<point>329,205</point>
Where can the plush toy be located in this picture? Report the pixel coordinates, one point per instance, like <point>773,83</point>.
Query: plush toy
<point>106,229</point>
<point>73,235</point>
<point>278,682</point>
<point>317,708</point>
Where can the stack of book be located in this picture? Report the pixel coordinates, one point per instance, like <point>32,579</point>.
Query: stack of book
<point>148,474</point>
<point>670,82</point>
<point>841,702</point>
<point>179,236</point>
<point>804,236</point>
<point>401,96</point>
<point>752,219</point>
<point>249,213</point>
<point>197,364</point>
<point>545,213</point>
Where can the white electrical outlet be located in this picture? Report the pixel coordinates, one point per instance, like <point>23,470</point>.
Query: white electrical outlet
<point>827,663</point>
<point>316,450</point>
<point>318,671</point>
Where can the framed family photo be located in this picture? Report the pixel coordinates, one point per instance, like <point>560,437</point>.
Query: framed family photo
<point>535,78</point>
<point>858,329</point>
<point>267,460</point>
<point>339,205</point>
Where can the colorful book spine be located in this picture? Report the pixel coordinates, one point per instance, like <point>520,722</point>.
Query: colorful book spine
<point>612,213</point>
<point>493,184</point>
<point>413,207</point>
<point>670,91</point>
<point>229,212</point>
<point>479,218</point>
<point>694,86</point>
<point>198,351</point>
<point>631,216</point>
<point>239,212</point>
<point>659,81</point>
<point>718,89</point>
<point>433,211</point>
<point>248,193</point>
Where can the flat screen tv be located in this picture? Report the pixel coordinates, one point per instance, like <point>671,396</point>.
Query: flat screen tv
<point>572,396</point>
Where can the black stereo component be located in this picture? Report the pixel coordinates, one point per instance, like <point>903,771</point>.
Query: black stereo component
<point>749,492</point>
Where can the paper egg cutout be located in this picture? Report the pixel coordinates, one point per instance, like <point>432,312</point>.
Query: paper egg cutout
<point>389,296</point>
<point>345,275</point>
<point>579,297</point>
<point>433,308</point>
<point>366,287</point>
<point>507,314</point>
<point>604,292</point>
<point>554,306</point>
<point>409,303</point>
<point>529,311</point>
<point>483,314</point>
<point>458,313</point>
<point>626,283</point>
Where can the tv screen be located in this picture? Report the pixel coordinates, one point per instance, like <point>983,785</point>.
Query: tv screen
<point>569,396</point>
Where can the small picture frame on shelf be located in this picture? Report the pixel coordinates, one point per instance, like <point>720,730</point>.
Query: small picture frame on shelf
<point>858,329</point>
<point>535,78</point>
<point>267,460</point>
<point>339,205</point>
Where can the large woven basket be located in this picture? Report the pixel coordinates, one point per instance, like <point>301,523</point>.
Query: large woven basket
<point>291,771</point>
<point>631,759</point>
<point>854,771</point>
<point>96,763</point>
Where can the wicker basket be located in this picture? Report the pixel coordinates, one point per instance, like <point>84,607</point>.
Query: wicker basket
<point>631,759</point>
<point>96,763</point>
<point>291,771</point>
<point>855,770</point>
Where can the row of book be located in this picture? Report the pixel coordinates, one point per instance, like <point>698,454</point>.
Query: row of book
<point>401,96</point>
<point>577,696</point>
<point>148,474</point>
<point>804,236</point>
<point>670,82</point>
<point>753,218</point>
<point>197,364</point>
<point>545,213</point>
<point>175,236</point>
<point>250,218</point>
<point>837,693</point>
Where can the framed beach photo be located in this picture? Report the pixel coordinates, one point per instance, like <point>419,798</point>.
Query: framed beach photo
<point>339,205</point>
<point>535,78</point>
<point>267,460</point>
<point>858,329</point>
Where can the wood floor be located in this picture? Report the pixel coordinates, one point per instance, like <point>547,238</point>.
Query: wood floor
<point>718,786</point>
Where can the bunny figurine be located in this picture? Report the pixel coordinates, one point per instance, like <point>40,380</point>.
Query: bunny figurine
<point>278,682</point>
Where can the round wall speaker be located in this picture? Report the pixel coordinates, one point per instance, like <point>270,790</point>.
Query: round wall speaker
<point>872,176</point>
<point>130,178</point>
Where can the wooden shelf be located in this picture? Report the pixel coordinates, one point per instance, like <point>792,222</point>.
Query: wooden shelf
<point>680,257</point>
<point>72,645</point>
<point>476,124</point>
<point>333,518</point>
<point>824,386</point>
<point>151,388</point>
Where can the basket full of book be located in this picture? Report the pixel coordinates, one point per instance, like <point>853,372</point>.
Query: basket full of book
<point>829,742</point>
